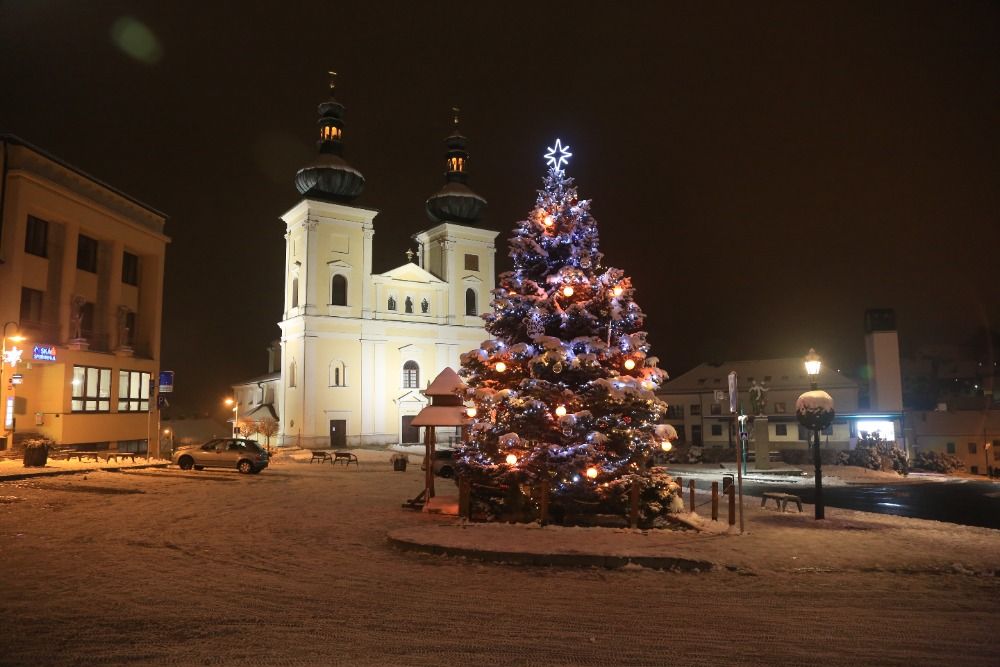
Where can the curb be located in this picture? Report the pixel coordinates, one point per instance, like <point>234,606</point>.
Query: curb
<point>75,471</point>
<point>672,563</point>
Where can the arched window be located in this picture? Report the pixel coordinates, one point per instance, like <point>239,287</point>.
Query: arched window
<point>291,374</point>
<point>338,290</point>
<point>338,373</point>
<point>470,302</point>
<point>392,303</point>
<point>295,292</point>
<point>411,375</point>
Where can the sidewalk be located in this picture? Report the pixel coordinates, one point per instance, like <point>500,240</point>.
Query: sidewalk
<point>13,469</point>
<point>833,475</point>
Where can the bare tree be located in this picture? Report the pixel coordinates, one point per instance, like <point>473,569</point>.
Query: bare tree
<point>267,427</point>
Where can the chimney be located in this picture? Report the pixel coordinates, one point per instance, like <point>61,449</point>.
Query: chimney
<point>885,385</point>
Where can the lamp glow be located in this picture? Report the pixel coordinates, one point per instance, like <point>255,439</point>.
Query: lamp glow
<point>813,363</point>
<point>666,446</point>
<point>629,364</point>
<point>501,367</point>
<point>561,411</point>
<point>511,459</point>
<point>548,221</point>
<point>567,291</point>
<point>592,472</point>
<point>470,412</point>
<point>618,291</point>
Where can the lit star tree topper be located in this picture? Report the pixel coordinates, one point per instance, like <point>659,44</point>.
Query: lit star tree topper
<point>564,389</point>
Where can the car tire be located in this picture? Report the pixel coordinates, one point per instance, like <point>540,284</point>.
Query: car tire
<point>199,467</point>
<point>256,471</point>
<point>245,467</point>
<point>186,463</point>
<point>446,472</point>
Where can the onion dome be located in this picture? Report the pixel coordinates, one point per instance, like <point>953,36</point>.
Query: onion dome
<point>456,202</point>
<point>330,176</point>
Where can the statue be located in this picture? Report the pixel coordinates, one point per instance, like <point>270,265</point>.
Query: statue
<point>424,305</point>
<point>76,317</point>
<point>758,397</point>
<point>409,304</point>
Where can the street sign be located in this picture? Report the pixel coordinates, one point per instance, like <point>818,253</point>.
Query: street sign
<point>44,353</point>
<point>166,382</point>
<point>16,378</point>
<point>733,393</point>
<point>161,402</point>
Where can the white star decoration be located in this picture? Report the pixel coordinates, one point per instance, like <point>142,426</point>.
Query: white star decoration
<point>558,155</point>
<point>12,356</point>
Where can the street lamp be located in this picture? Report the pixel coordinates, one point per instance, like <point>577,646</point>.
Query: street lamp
<point>814,410</point>
<point>12,357</point>
<point>236,415</point>
<point>170,438</point>
<point>986,452</point>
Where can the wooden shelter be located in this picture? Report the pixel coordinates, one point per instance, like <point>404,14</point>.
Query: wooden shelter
<point>446,409</point>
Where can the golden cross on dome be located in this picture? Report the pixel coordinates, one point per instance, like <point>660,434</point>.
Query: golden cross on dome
<point>333,80</point>
<point>455,111</point>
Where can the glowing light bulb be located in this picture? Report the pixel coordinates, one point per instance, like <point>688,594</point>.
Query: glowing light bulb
<point>470,412</point>
<point>617,291</point>
<point>511,459</point>
<point>567,291</point>
<point>548,221</point>
<point>666,446</point>
<point>592,472</point>
<point>561,411</point>
<point>629,364</point>
<point>501,367</point>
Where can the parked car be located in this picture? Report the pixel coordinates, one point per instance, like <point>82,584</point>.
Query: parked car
<point>444,463</point>
<point>244,455</point>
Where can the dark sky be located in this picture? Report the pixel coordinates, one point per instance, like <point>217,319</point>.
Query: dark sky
<point>764,171</point>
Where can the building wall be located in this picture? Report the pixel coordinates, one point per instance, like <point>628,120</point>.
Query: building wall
<point>72,204</point>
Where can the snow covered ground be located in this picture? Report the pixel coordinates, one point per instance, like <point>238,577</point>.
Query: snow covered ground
<point>292,567</point>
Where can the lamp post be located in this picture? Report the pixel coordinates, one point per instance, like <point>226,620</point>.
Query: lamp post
<point>12,357</point>
<point>236,415</point>
<point>170,438</point>
<point>814,410</point>
<point>986,453</point>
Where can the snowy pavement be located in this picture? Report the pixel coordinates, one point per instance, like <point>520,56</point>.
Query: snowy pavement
<point>292,567</point>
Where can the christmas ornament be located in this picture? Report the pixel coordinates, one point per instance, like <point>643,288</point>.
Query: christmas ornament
<point>629,364</point>
<point>511,459</point>
<point>592,472</point>
<point>561,411</point>
<point>501,367</point>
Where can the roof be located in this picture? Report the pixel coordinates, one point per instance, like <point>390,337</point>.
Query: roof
<point>447,383</point>
<point>788,373</point>
<point>441,415</point>
<point>267,377</point>
<point>979,424</point>
<point>262,411</point>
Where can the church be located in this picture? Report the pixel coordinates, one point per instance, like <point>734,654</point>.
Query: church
<point>358,347</point>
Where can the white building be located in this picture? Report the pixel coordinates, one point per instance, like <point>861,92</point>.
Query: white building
<point>357,347</point>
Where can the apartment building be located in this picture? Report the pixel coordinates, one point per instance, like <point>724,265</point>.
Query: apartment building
<point>81,296</point>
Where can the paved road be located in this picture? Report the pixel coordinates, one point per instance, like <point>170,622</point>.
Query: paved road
<point>972,503</point>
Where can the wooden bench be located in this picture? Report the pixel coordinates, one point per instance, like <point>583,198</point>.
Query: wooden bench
<point>68,454</point>
<point>346,457</point>
<point>117,456</point>
<point>780,500</point>
<point>321,457</point>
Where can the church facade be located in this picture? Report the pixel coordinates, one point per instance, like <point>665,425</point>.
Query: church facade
<point>358,347</point>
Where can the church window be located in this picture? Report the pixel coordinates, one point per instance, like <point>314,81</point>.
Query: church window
<point>424,305</point>
<point>291,374</point>
<point>338,290</point>
<point>470,302</point>
<point>408,304</point>
<point>392,303</point>
<point>295,292</point>
<point>411,375</point>
<point>338,373</point>
<point>471,262</point>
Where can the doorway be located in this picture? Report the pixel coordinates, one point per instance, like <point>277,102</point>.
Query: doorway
<point>409,434</point>
<point>338,433</point>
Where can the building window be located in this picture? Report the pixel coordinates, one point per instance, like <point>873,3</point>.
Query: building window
<point>133,391</point>
<point>31,307</point>
<point>695,409</point>
<point>86,254</point>
<point>338,373</point>
<point>291,374</point>
<point>781,429</point>
<point>972,448</point>
<point>411,375</point>
<point>87,320</point>
<point>675,412</point>
<point>91,389</point>
<point>471,262</point>
<point>680,433</point>
<point>715,409</point>
<point>391,305</point>
<point>295,292</point>
<point>130,268</point>
<point>408,304</point>
<point>338,290</point>
<point>36,237</point>
<point>950,447</point>
<point>779,408</point>
<point>137,446</point>
<point>696,435</point>
<point>716,429</point>
<point>470,302</point>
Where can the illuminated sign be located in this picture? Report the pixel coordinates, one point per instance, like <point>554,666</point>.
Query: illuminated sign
<point>166,382</point>
<point>44,353</point>
<point>16,378</point>
<point>883,428</point>
<point>9,419</point>
<point>558,155</point>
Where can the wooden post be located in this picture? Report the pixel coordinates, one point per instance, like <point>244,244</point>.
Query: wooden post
<point>691,495</point>
<point>429,473</point>
<point>633,513</point>
<point>715,501</point>
<point>465,498</point>
<point>543,503</point>
<point>680,483</point>
<point>732,504</point>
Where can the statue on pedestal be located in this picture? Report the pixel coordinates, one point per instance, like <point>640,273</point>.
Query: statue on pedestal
<point>758,398</point>
<point>76,317</point>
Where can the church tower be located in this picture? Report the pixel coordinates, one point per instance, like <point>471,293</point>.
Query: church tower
<point>457,250</point>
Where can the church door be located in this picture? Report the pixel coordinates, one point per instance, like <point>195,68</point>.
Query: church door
<point>338,433</point>
<point>410,434</point>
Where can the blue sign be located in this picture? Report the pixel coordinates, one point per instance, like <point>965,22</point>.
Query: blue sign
<point>166,382</point>
<point>44,353</point>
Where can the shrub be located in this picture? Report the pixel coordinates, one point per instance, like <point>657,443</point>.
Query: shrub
<point>871,451</point>
<point>937,462</point>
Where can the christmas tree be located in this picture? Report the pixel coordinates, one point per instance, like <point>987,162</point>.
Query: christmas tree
<point>564,391</point>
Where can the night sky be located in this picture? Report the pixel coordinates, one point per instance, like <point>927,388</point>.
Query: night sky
<point>764,171</point>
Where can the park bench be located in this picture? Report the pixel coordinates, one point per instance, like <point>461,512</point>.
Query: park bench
<point>321,457</point>
<point>346,458</point>
<point>117,456</point>
<point>780,500</point>
<point>68,454</point>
